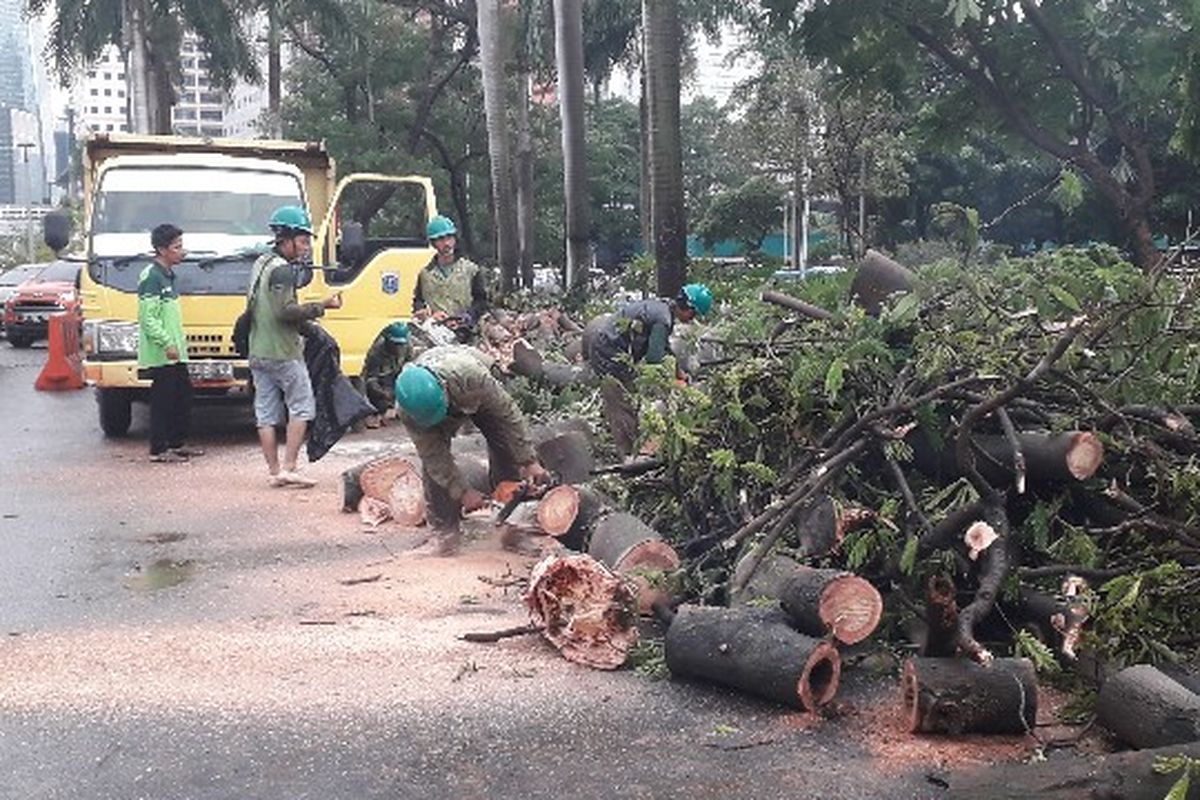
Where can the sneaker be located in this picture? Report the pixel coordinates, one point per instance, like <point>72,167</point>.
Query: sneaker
<point>168,457</point>
<point>293,478</point>
<point>187,452</point>
<point>278,480</point>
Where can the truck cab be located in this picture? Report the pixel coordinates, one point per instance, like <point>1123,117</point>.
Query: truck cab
<point>369,245</point>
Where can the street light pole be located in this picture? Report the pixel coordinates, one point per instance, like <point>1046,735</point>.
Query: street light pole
<point>25,147</point>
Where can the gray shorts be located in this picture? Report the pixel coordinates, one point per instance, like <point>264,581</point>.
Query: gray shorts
<point>279,387</point>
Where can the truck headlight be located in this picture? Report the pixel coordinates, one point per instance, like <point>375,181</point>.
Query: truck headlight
<point>110,338</point>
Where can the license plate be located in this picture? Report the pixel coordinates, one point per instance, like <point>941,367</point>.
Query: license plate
<point>210,371</point>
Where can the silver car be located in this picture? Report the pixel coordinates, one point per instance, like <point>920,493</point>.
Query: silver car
<point>11,279</point>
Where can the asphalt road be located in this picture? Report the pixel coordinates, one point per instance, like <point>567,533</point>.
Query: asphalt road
<point>184,631</point>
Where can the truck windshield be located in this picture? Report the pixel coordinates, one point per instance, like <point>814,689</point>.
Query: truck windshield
<point>223,213</point>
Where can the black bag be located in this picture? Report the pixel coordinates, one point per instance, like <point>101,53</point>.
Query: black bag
<point>241,325</point>
<point>241,333</point>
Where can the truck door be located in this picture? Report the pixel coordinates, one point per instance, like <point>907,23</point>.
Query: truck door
<point>376,280</point>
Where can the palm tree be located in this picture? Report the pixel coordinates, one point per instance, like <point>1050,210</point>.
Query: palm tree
<point>662,39</point>
<point>568,49</point>
<point>491,60</point>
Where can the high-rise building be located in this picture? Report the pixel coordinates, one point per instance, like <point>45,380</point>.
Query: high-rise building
<point>247,103</point>
<point>199,107</point>
<point>15,96</point>
<point>101,95</point>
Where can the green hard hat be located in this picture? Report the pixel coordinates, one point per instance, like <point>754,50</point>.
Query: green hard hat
<point>292,218</point>
<point>396,333</point>
<point>421,395</point>
<point>440,226</point>
<point>699,298</point>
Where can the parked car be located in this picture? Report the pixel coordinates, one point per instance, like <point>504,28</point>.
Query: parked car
<point>27,313</point>
<point>11,279</point>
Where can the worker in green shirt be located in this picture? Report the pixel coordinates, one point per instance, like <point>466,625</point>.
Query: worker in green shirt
<point>450,289</point>
<point>162,349</point>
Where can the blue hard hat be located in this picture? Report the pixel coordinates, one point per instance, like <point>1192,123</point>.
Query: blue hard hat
<point>420,394</point>
<point>440,226</point>
<point>396,333</point>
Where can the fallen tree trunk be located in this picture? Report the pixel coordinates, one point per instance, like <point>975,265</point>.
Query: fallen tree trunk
<point>878,278</point>
<point>952,695</point>
<point>797,305</point>
<point>586,611</point>
<point>568,455</point>
<point>1048,458</point>
<point>530,363</point>
<point>819,602</point>
<point>570,513</point>
<point>1116,776</point>
<point>755,651</point>
<point>630,547</point>
<point>1144,708</point>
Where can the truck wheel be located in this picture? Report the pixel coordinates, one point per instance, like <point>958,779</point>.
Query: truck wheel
<point>116,411</point>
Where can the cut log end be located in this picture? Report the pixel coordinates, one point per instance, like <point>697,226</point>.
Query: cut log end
<point>558,509</point>
<point>406,499</point>
<point>822,675</point>
<point>646,564</point>
<point>955,696</point>
<point>1085,455</point>
<point>851,608</point>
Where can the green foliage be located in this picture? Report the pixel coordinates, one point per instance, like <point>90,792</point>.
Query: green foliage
<point>745,214</point>
<point>648,659</point>
<point>1033,648</point>
<point>1186,766</point>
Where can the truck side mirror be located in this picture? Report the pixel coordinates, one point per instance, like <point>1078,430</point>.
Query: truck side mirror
<point>56,230</point>
<point>353,247</point>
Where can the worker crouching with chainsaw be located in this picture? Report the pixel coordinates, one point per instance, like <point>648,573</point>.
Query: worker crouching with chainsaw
<point>444,387</point>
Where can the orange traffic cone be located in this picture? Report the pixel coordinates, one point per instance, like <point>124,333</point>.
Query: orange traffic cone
<point>64,366</point>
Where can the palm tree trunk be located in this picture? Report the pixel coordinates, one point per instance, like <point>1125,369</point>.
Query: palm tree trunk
<point>496,108</point>
<point>526,228</point>
<point>137,79</point>
<point>568,50</point>
<point>663,41</point>
<point>274,69</point>
<point>646,207</point>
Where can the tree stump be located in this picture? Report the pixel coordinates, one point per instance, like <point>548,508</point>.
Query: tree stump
<point>586,611</point>
<point>755,651</point>
<point>628,546</point>
<point>953,695</point>
<point>941,617</point>
<point>568,455</point>
<point>829,601</point>
<point>570,513</point>
<point>1145,708</point>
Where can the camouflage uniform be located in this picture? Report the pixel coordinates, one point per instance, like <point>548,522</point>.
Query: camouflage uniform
<point>383,363</point>
<point>475,395</point>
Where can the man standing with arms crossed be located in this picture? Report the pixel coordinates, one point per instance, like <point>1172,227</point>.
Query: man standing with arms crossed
<point>283,392</point>
<point>162,349</point>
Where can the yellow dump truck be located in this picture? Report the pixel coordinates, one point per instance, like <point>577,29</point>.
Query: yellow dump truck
<point>370,245</point>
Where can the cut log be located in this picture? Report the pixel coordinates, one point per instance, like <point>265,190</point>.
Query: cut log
<point>822,528</point>
<point>378,476</point>
<point>585,610</point>
<point>755,651</point>
<point>352,493</point>
<point>819,602</point>
<point>1049,458</point>
<point>952,695</point>
<point>568,455</point>
<point>878,278</point>
<point>829,601</point>
<point>941,617</point>
<point>570,513</point>
<point>406,498</point>
<point>528,362</point>
<point>1116,776</point>
<point>630,547</point>
<point>1144,708</point>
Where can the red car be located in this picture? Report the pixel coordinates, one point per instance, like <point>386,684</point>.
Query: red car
<point>27,312</point>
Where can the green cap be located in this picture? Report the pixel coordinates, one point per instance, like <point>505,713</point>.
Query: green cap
<point>420,394</point>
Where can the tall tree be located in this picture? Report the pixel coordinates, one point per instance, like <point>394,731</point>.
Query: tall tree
<point>1075,79</point>
<point>662,38</point>
<point>491,62</point>
<point>568,48</point>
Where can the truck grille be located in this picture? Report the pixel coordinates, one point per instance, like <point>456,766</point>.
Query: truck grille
<point>209,344</point>
<point>39,311</point>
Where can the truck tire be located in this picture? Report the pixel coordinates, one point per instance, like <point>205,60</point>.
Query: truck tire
<point>20,342</point>
<point>116,411</point>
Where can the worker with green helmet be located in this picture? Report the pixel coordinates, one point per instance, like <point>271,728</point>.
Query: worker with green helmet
<point>388,354</point>
<point>283,392</point>
<point>638,332</point>
<point>450,289</point>
<point>443,388</point>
